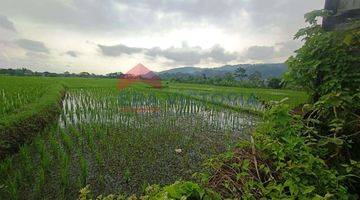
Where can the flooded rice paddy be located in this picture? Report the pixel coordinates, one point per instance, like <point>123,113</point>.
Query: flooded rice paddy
<point>120,142</point>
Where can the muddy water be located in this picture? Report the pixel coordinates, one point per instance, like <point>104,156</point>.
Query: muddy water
<point>89,107</point>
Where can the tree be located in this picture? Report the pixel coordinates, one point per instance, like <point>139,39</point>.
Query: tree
<point>204,76</point>
<point>256,79</point>
<point>240,73</point>
<point>229,79</point>
<point>84,74</point>
<point>275,83</point>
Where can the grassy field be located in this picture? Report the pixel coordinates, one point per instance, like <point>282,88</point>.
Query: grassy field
<point>117,141</point>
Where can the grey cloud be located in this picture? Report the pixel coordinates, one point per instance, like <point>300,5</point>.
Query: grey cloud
<point>279,52</point>
<point>285,15</point>
<point>118,50</point>
<point>188,55</point>
<point>32,45</point>
<point>143,15</point>
<point>6,23</point>
<point>219,53</point>
<point>185,55</point>
<point>125,15</point>
<point>260,52</point>
<point>72,53</point>
<point>31,58</point>
<point>93,15</point>
<point>288,47</point>
<point>192,10</point>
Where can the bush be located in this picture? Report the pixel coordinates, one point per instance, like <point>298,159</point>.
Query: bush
<point>176,191</point>
<point>278,164</point>
<point>328,67</point>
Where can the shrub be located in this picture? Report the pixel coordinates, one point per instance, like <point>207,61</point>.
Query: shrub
<point>176,191</point>
<point>278,164</point>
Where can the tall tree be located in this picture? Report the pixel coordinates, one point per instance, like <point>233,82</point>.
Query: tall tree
<point>256,79</point>
<point>240,73</point>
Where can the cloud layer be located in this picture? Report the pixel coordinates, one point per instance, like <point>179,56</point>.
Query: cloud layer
<point>6,23</point>
<point>184,55</point>
<point>190,56</point>
<point>143,15</point>
<point>214,32</point>
<point>32,45</point>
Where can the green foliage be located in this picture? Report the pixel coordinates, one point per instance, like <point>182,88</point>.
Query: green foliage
<point>328,61</point>
<point>176,191</point>
<point>314,27</point>
<point>240,73</point>
<point>275,83</point>
<point>256,79</point>
<point>328,67</point>
<point>279,164</point>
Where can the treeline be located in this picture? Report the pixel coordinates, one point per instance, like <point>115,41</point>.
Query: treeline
<point>238,78</point>
<point>28,72</point>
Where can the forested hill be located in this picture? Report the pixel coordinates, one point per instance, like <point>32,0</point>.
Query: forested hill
<point>267,70</point>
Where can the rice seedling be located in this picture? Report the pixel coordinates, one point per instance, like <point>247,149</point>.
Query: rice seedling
<point>122,141</point>
<point>64,170</point>
<point>12,188</point>
<point>67,140</point>
<point>39,184</point>
<point>27,166</point>
<point>16,92</point>
<point>84,165</point>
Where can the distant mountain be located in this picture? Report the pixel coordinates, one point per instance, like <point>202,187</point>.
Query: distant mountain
<point>187,70</point>
<point>267,70</point>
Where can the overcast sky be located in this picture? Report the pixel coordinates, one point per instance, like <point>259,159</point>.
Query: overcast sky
<point>102,36</point>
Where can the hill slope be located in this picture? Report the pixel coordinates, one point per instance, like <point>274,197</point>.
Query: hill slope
<point>267,70</point>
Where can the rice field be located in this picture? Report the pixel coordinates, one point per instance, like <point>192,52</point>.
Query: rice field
<point>255,95</point>
<point>16,92</point>
<point>122,141</point>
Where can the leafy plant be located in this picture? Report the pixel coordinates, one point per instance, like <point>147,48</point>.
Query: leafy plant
<point>327,65</point>
<point>177,191</point>
<point>278,164</point>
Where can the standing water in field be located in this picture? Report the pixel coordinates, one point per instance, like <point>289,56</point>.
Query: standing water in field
<point>121,142</point>
<point>85,107</point>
